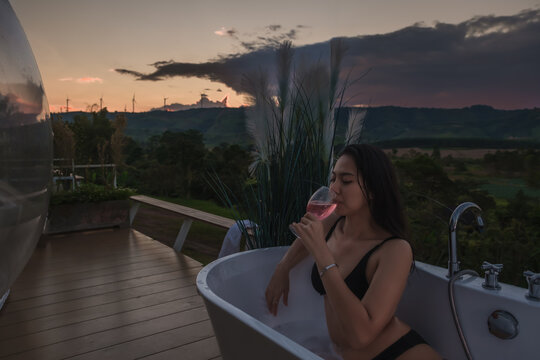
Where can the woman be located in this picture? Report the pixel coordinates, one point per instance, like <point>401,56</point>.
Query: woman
<point>361,261</point>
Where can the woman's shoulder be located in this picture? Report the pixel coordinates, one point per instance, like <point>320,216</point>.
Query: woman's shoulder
<point>396,248</point>
<point>395,243</point>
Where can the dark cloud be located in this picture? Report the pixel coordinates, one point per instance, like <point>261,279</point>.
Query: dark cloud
<point>249,45</point>
<point>219,90</point>
<point>271,39</point>
<point>489,60</point>
<point>159,63</point>
<point>291,34</point>
<point>485,60</point>
<point>226,70</point>
<point>137,74</point>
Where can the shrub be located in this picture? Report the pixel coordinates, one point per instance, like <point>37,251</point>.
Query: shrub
<point>91,193</point>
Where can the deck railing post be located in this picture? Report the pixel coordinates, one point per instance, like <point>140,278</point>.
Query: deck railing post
<point>73,174</point>
<point>182,234</point>
<point>133,211</point>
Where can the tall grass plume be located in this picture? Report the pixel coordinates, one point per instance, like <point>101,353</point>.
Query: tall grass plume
<point>293,126</point>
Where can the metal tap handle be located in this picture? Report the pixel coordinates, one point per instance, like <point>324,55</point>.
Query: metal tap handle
<point>491,275</point>
<point>533,279</point>
<point>492,268</point>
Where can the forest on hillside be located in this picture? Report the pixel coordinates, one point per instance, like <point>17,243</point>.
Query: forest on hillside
<point>475,126</point>
<point>506,185</point>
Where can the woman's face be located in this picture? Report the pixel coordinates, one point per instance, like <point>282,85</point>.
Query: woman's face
<point>345,183</point>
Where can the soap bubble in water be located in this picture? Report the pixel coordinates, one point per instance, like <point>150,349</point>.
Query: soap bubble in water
<point>310,335</point>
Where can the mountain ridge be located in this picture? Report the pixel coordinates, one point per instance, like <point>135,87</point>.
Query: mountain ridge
<point>382,124</point>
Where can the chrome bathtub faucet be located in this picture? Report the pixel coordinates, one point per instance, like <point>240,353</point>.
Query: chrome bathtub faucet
<point>533,279</point>
<point>491,275</point>
<point>453,263</point>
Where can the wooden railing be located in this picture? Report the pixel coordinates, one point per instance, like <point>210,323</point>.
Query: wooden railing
<point>189,214</point>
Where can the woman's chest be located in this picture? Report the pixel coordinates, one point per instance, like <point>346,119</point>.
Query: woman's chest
<point>355,258</point>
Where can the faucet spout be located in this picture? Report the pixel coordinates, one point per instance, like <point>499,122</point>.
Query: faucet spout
<point>453,263</point>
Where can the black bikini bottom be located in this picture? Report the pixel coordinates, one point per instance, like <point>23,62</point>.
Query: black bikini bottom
<point>404,343</point>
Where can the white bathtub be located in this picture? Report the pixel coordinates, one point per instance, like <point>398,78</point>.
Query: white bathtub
<point>233,290</point>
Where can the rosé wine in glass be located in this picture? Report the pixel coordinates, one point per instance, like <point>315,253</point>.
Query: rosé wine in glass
<point>320,209</point>
<point>320,204</point>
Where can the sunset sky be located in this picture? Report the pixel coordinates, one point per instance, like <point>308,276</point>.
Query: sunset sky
<point>420,52</point>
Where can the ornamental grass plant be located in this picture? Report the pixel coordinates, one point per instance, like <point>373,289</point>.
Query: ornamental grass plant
<point>292,122</point>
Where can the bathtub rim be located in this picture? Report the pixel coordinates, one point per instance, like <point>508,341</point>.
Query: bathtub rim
<point>258,326</point>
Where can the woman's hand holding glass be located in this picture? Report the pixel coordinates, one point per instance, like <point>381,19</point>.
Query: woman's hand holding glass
<point>310,232</point>
<point>320,204</point>
<point>319,207</point>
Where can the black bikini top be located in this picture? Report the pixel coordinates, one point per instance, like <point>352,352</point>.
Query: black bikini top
<point>356,280</point>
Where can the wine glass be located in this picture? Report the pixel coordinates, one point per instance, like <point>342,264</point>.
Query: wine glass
<point>320,204</point>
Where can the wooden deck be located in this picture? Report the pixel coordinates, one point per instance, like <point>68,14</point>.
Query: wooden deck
<point>110,294</point>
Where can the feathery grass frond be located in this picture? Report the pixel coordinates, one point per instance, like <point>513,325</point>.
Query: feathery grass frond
<point>294,132</point>
<point>355,125</point>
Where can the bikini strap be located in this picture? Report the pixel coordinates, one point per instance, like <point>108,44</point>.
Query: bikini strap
<point>390,238</point>
<point>368,254</point>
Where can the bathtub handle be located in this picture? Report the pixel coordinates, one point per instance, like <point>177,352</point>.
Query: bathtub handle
<point>533,279</point>
<point>492,275</point>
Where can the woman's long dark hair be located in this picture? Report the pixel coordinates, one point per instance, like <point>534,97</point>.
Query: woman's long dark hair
<point>380,187</point>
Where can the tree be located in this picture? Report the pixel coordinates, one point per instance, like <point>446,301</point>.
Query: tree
<point>186,152</point>
<point>90,133</point>
<point>175,162</point>
<point>64,139</point>
<point>230,163</point>
<point>118,140</point>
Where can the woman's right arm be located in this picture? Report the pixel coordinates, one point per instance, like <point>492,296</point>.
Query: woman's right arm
<point>279,283</point>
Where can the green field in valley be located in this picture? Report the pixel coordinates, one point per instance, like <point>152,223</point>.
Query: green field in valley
<point>506,189</point>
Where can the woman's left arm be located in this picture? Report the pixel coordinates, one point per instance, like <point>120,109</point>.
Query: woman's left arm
<point>361,320</point>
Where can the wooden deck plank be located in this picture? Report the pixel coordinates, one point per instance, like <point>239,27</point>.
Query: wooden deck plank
<point>111,294</point>
<point>90,312</point>
<point>93,290</point>
<point>44,311</point>
<point>84,268</point>
<point>99,340</point>
<point>200,350</point>
<point>105,255</point>
<point>113,325</point>
<point>155,343</point>
<point>76,257</point>
<point>87,263</point>
<point>147,262</point>
<point>71,250</point>
<point>39,290</point>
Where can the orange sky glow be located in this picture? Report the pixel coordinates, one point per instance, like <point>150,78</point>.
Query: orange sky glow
<point>79,44</point>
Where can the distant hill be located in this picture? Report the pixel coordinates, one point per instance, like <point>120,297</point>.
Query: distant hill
<point>384,123</point>
<point>388,125</point>
<point>217,124</point>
